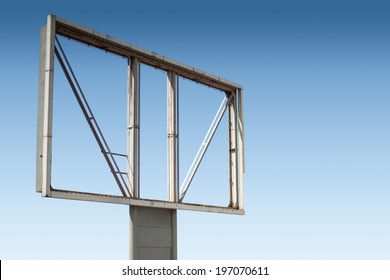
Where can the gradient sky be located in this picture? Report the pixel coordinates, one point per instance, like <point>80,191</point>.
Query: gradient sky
<point>317,99</point>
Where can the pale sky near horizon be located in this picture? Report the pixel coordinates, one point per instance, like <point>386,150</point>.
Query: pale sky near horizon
<point>316,85</point>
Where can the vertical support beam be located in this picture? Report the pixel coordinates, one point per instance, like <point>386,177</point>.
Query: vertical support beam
<point>172,124</point>
<point>133,128</point>
<point>232,120</point>
<point>41,96</point>
<point>240,148</point>
<point>154,233</point>
<point>173,158</point>
<point>46,105</point>
<point>133,150</point>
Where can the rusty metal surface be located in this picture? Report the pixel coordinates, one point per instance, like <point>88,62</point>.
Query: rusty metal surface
<point>94,197</point>
<point>108,43</point>
<point>174,69</point>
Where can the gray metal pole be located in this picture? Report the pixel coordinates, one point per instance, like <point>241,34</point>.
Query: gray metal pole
<point>233,151</point>
<point>172,118</point>
<point>133,150</point>
<point>173,154</point>
<point>133,128</point>
<point>48,107</point>
<point>240,146</point>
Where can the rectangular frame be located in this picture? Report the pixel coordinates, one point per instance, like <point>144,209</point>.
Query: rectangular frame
<point>56,25</point>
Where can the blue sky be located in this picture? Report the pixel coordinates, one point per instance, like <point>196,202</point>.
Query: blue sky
<point>316,85</point>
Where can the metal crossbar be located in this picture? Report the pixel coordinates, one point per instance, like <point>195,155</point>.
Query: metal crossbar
<point>91,120</point>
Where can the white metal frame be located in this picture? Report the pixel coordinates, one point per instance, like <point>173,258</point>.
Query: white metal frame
<point>233,103</point>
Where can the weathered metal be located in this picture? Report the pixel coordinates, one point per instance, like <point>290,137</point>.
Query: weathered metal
<point>103,198</point>
<point>240,148</point>
<point>109,44</point>
<point>133,127</point>
<point>233,170</point>
<point>149,238</point>
<point>173,131</point>
<point>136,56</point>
<point>45,121</point>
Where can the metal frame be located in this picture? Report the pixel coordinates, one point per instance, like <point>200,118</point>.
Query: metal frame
<point>137,56</point>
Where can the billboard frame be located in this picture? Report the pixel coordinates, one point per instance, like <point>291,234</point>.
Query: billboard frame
<point>137,56</point>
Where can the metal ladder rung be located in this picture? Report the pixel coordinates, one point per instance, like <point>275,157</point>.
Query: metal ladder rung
<point>115,154</point>
<point>120,172</point>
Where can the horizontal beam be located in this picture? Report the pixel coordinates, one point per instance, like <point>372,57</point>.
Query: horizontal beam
<point>109,44</point>
<point>83,196</point>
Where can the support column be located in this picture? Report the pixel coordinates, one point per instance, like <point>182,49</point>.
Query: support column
<point>154,233</point>
<point>45,119</point>
<point>240,149</point>
<point>172,119</point>
<point>133,148</point>
<point>233,182</point>
<point>133,128</point>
